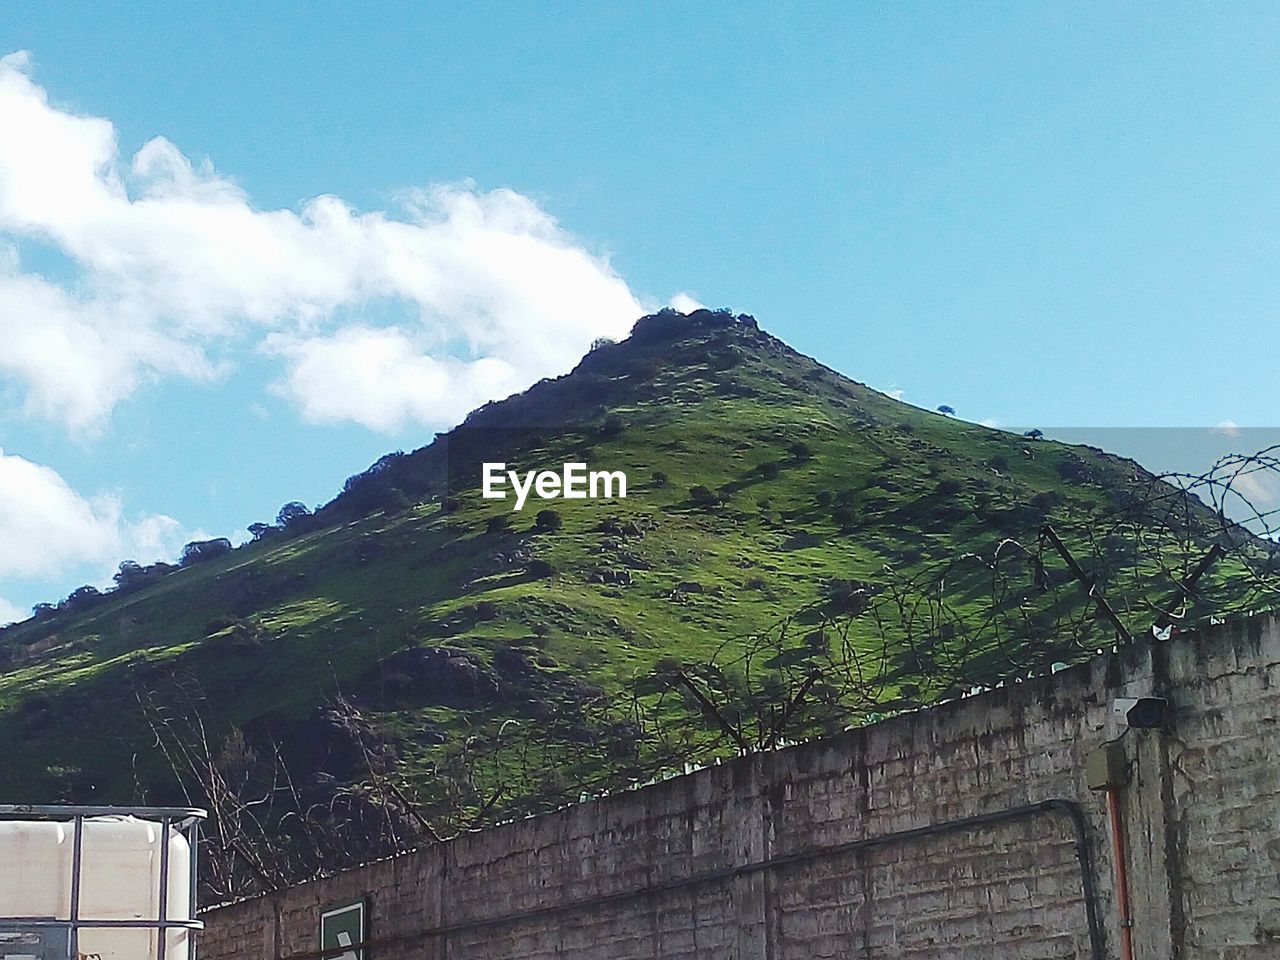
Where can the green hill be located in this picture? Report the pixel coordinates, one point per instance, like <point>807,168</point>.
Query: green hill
<point>800,550</point>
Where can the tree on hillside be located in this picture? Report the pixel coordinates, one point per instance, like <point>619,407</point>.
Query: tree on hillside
<point>291,513</point>
<point>260,531</point>
<point>81,598</point>
<point>134,576</point>
<point>129,575</point>
<point>199,551</point>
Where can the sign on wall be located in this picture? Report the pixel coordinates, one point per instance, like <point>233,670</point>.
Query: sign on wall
<point>344,926</point>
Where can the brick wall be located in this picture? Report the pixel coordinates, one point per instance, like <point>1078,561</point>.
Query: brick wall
<point>862,846</point>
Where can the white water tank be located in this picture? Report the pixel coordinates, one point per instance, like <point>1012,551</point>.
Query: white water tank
<point>120,870</point>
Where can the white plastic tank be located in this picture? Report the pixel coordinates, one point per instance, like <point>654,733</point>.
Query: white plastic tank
<point>119,880</point>
<point>35,869</point>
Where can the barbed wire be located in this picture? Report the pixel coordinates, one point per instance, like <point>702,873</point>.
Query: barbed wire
<point>1179,551</point>
<point>1184,549</point>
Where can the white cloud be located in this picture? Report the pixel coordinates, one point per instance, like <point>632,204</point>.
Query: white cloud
<point>1260,487</point>
<point>175,261</point>
<point>48,528</point>
<point>686,302</point>
<point>79,358</point>
<point>1228,428</point>
<point>992,423</point>
<point>895,393</point>
<point>380,378</point>
<point>9,613</point>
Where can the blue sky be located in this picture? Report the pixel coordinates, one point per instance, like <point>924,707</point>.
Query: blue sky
<point>1054,215</point>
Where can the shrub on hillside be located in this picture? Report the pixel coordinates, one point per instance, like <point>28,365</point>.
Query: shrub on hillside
<point>726,359</point>
<point>1072,469</point>
<point>1046,500</point>
<point>668,666</point>
<point>540,569</point>
<point>548,521</point>
<point>848,596</point>
<point>219,623</point>
<point>703,496</point>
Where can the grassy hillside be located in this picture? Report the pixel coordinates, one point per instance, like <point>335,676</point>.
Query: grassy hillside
<point>406,629</point>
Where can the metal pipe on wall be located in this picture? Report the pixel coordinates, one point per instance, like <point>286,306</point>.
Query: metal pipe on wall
<point>1122,873</point>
